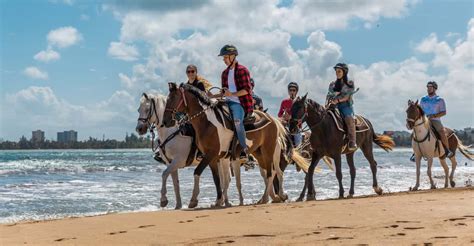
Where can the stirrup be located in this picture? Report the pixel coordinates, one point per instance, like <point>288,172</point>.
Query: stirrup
<point>158,158</point>
<point>412,158</point>
<point>448,153</point>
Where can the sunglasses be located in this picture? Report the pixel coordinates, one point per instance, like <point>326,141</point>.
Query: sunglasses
<point>190,71</point>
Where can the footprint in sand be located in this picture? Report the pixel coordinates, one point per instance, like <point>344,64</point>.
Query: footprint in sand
<point>468,216</point>
<point>454,219</point>
<point>392,226</point>
<point>64,239</point>
<point>413,228</point>
<point>406,221</point>
<point>145,226</point>
<point>444,237</point>
<point>339,238</point>
<point>338,227</point>
<point>461,224</point>
<point>117,232</point>
<point>226,242</point>
<point>202,216</point>
<point>258,235</point>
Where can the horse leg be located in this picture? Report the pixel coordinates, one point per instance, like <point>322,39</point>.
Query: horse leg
<point>369,155</point>
<point>224,171</point>
<point>418,166</point>
<point>303,192</point>
<point>279,173</point>
<point>428,171</point>
<point>174,176</point>
<point>309,177</point>
<point>236,168</point>
<point>217,182</point>
<point>172,167</point>
<point>446,172</point>
<point>350,162</point>
<point>454,163</point>
<point>337,161</point>
<point>263,173</point>
<point>197,175</point>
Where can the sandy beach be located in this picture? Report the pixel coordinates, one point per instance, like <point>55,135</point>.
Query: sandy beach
<point>443,216</point>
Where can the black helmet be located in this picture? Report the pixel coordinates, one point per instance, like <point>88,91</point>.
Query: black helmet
<point>228,49</point>
<point>293,85</point>
<point>432,83</point>
<point>252,82</point>
<point>342,66</point>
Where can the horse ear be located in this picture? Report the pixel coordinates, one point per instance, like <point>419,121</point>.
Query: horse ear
<point>416,102</point>
<point>145,95</point>
<point>172,86</point>
<point>410,102</point>
<point>304,97</point>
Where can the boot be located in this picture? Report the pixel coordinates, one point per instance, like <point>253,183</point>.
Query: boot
<point>351,133</point>
<point>445,142</point>
<point>158,158</point>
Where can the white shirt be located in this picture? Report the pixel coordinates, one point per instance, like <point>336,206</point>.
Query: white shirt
<point>232,86</point>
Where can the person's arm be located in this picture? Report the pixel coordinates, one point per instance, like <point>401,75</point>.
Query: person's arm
<point>346,95</point>
<point>280,112</point>
<point>200,86</point>
<point>442,110</point>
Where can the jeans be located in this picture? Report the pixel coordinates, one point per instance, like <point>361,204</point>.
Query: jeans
<point>238,114</point>
<point>346,109</point>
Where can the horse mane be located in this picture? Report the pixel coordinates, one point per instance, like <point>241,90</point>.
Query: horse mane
<point>421,110</point>
<point>319,109</point>
<point>200,95</point>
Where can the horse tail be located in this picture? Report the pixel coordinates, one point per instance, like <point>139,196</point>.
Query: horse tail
<point>383,141</point>
<point>465,149</point>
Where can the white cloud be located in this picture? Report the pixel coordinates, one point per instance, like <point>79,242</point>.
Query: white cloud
<point>64,37</point>
<point>35,73</point>
<point>123,51</point>
<point>47,55</point>
<point>41,108</point>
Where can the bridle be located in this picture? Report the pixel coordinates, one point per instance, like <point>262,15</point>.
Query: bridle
<point>413,121</point>
<point>149,114</point>
<point>184,101</point>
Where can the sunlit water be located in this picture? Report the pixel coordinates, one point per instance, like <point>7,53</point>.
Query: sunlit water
<point>48,184</point>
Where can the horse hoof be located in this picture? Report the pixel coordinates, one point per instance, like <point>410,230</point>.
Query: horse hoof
<point>178,206</point>
<point>378,190</point>
<point>453,184</point>
<point>164,203</point>
<point>350,196</point>
<point>433,187</point>
<point>300,199</point>
<point>284,197</point>
<point>311,198</point>
<point>261,201</point>
<point>193,204</point>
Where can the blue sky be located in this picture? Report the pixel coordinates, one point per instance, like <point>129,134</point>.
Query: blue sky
<point>86,76</point>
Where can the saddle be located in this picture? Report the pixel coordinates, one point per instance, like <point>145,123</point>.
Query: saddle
<point>188,130</point>
<point>447,131</point>
<point>252,123</point>
<point>360,122</point>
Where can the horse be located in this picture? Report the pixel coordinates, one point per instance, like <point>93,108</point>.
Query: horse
<point>426,145</point>
<point>177,150</point>
<point>327,139</point>
<point>214,136</point>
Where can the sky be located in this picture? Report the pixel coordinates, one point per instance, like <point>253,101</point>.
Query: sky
<point>83,65</point>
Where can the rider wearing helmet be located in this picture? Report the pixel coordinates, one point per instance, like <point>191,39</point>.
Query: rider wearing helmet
<point>340,94</point>
<point>257,101</point>
<point>237,89</point>
<point>435,108</point>
<point>285,110</point>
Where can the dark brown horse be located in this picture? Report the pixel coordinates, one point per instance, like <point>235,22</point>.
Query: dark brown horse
<point>214,137</point>
<point>327,139</point>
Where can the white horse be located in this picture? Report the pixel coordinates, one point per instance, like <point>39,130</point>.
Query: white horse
<point>426,145</point>
<point>176,150</point>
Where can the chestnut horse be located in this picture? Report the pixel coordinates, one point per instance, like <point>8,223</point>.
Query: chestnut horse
<point>214,137</point>
<point>327,139</point>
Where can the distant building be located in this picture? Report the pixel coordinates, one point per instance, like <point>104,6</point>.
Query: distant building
<point>37,136</point>
<point>67,136</point>
<point>394,134</point>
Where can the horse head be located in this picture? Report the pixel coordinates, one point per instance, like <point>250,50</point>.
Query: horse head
<point>414,112</point>
<point>298,114</point>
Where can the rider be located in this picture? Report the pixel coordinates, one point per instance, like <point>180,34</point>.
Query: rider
<point>257,101</point>
<point>285,110</point>
<point>340,94</point>
<point>237,89</point>
<point>196,80</point>
<point>435,108</point>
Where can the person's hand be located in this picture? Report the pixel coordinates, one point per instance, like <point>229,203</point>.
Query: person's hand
<point>334,101</point>
<point>227,93</point>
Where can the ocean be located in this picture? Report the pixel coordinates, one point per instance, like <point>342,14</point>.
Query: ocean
<point>52,184</point>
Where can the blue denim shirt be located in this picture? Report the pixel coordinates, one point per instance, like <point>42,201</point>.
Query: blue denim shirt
<point>433,105</point>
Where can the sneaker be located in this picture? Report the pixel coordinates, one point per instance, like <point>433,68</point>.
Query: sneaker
<point>449,153</point>
<point>412,158</point>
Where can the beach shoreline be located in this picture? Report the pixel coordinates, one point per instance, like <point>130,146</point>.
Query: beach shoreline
<point>430,216</point>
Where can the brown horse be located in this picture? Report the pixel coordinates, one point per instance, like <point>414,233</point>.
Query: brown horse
<point>327,139</point>
<point>214,137</point>
<point>426,145</point>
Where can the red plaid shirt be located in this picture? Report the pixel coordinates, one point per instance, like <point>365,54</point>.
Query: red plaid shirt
<point>242,82</point>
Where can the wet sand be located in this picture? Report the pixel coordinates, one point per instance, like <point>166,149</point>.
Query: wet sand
<point>443,216</point>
